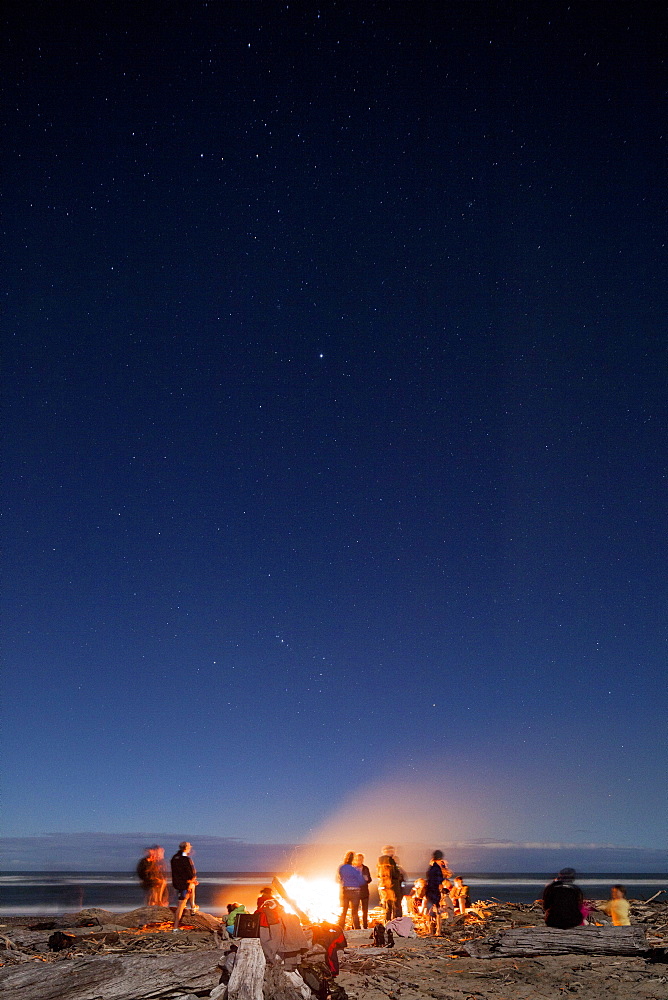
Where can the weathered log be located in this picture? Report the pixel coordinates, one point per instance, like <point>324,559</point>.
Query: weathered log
<point>527,941</point>
<point>117,977</point>
<point>248,972</point>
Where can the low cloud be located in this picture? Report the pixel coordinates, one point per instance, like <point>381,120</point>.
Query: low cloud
<point>120,851</point>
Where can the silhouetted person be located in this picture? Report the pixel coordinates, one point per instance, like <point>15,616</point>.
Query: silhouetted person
<point>432,891</point>
<point>563,901</point>
<point>184,880</point>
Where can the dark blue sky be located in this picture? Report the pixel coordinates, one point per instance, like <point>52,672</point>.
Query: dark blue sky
<point>335,416</point>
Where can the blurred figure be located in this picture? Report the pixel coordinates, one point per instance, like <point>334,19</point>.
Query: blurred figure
<point>232,910</point>
<point>160,893</point>
<point>352,880</point>
<point>390,878</point>
<point>445,867</point>
<point>358,862</point>
<point>184,880</point>
<point>617,907</point>
<point>563,901</point>
<point>271,927</point>
<point>432,893</point>
<point>153,876</point>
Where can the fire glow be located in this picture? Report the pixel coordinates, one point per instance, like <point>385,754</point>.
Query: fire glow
<point>318,898</point>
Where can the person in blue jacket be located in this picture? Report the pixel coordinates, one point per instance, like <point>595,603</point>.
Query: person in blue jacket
<point>352,880</point>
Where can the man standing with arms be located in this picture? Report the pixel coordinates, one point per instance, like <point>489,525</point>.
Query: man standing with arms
<point>184,880</point>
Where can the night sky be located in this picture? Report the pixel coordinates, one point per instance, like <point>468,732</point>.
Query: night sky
<point>335,412</point>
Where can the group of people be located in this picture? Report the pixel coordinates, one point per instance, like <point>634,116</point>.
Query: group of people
<point>152,874</point>
<point>565,906</point>
<point>354,878</point>
<point>440,895</point>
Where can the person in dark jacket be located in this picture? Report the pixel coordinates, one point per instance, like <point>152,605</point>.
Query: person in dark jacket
<point>432,891</point>
<point>563,901</point>
<point>358,862</point>
<point>184,880</point>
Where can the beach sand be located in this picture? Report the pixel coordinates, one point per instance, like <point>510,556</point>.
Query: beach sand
<point>419,968</point>
<point>426,968</point>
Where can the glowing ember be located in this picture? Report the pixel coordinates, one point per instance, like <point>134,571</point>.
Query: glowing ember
<point>318,898</point>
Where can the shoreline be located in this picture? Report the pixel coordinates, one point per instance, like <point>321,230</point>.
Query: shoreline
<point>38,894</point>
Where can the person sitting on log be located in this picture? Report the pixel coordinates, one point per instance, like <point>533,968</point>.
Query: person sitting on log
<point>271,926</point>
<point>563,901</point>
<point>460,895</point>
<point>447,906</point>
<point>232,910</point>
<point>415,900</point>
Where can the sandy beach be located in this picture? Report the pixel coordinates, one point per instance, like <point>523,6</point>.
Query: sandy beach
<point>112,948</point>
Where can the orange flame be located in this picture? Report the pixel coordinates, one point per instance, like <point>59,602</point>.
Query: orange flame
<point>318,898</point>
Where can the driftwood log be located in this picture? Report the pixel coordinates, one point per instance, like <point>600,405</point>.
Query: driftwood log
<point>248,972</point>
<point>113,977</point>
<point>524,942</point>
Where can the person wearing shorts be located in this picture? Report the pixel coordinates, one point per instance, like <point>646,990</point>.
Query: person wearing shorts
<point>432,895</point>
<point>184,881</point>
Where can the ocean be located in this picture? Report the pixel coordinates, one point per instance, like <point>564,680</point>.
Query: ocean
<point>60,892</point>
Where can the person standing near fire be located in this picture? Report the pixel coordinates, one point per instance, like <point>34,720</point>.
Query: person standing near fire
<point>184,880</point>
<point>351,880</point>
<point>153,877</point>
<point>358,862</point>
<point>390,880</point>
<point>432,894</point>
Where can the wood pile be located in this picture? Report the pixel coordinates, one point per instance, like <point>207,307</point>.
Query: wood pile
<point>486,919</point>
<point>126,957</point>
